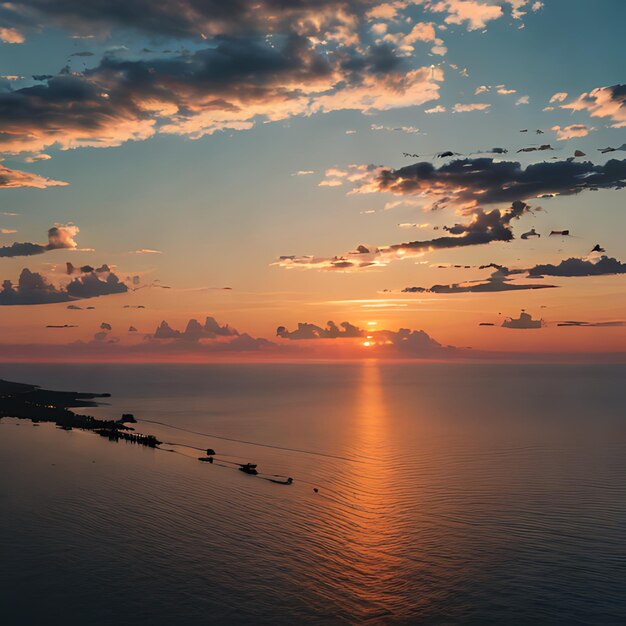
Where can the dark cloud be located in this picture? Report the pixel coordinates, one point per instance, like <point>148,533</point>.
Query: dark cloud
<point>86,269</point>
<point>60,237</point>
<point>485,227</point>
<point>485,181</point>
<point>33,288</point>
<point>466,184</point>
<point>525,321</point>
<point>227,85</point>
<point>165,331</point>
<point>194,331</point>
<point>580,267</point>
<point>404,342</point>
<point>185,18</point>
<point>92,286</point>
<point>312,331</point>
<point>497,282</point>
<point>410,343</point>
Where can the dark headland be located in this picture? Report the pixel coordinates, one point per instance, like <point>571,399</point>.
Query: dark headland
<point>31,402</point>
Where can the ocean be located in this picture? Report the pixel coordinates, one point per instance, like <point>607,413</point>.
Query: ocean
<point>422,494</point>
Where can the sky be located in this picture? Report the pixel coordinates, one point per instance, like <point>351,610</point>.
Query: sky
<point>397,166</point>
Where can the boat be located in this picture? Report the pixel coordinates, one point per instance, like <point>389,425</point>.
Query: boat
<point>248,468</point>
<point>206,459</point>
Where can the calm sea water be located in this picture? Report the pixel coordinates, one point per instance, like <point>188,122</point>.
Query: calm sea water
<point>447,494</point>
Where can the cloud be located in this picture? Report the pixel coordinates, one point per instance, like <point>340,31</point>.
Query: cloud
<point>497,282</point>
<point>229,85</point>
<point>485,227</point>
<point>194,331</point>
<point>474,15</point>
<point>602,102</point>
<point>522,100</point>
<point>501,89</point>
<point>561,96</point>
<point>436,109</point>
<point>466,184</point>
<point>194,19</point>
<point>311,331</point>
<point>60,237</point>
<point>525,321</point>
<point>85,269</point>
<point>470,182</point>
<point>411,130</point>
<point>408,343</point>
<point>210,337</point>
<point>145,251</point>
<point>580,267</point>
<point>336,20</point>
<point>33,288</point>
<point>572,131</point>
<point>10,35</point>
<point>465,108</point>
<point>11,179</point>
<point>404,342</point>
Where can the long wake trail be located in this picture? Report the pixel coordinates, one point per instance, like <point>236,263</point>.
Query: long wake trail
<point>250,443</point>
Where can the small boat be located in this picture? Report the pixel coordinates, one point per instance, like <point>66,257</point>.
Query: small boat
<point>248,468</point>
<point>206,459</point>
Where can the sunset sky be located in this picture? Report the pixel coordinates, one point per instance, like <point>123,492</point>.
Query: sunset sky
<point>284,162</point>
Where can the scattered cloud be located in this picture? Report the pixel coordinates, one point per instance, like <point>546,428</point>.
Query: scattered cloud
<point>466,183</point>
<point>404,342</point>
<point>33,288</point>
<point>602,102</point>
<point>580,267</point>
<point>311,331</point>
<point>525,321</point>
<point>561,96</point>
<point>498,281</point>
<point>11,35</point>
<point>10,179</point>
<point>227,86</point>
<point>411,130</point>
<point>60,237</point>
<point>194,331</point>
<point>472,14</point>
<point>572,131</point>
<point>465,108</point>
<point>485,227</point>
